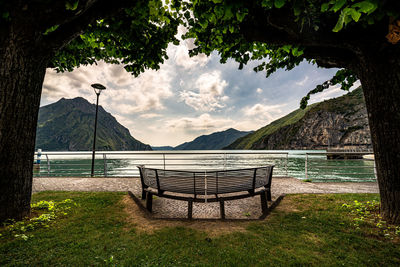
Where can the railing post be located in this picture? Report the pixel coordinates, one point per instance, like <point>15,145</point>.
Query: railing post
<point>164,160</point>
<point>48,164</point>
<point>306,166</point>
<point>286,164</point>
<point>224,161</point>
<point>105,164</point>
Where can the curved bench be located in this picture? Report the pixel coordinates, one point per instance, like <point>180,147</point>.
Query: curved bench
<point>206,186</point>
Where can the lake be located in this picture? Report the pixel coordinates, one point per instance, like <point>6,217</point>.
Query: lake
<point>287,163</point>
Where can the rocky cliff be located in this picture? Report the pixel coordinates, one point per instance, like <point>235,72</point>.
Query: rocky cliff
<point>68,125</point>
<point>336,123</point>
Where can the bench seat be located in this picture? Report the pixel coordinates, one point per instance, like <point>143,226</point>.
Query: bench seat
<point>207,185</point>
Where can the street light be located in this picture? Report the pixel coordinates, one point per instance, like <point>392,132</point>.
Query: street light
<point>97,89</point>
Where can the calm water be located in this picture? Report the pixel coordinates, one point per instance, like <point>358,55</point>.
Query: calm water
<point>287,163</point>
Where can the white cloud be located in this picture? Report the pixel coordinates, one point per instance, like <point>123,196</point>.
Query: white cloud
<point>210,93</point>
<point>331,92</point>
<point>125,94</point>
<point>302,82</point>
<point>182,57</point>
<point>203,123</point>
<point>263,114</point>
<point>259,90</point>
<point>150,115</point>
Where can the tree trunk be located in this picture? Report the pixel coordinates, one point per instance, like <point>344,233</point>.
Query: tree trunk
<point>380,79</point>
<point>22,71</point>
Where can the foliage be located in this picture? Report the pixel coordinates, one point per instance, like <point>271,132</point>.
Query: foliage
<point>134,34</point>
<point>136,38</point>
<point>367,214</point>
<point>309,229</point>
<point>49,211</point>
<point>221,25</point>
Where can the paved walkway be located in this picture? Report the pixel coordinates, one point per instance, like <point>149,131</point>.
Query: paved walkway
<point>248,208</point>
<point>279,185</point>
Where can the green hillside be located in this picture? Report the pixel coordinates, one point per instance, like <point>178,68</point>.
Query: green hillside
<point>292,122</point>
<point>68,125</point>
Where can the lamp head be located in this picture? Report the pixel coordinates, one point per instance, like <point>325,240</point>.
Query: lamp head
<point>98,88</point>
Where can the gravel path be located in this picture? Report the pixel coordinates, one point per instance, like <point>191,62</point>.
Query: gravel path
<point>167,208</point>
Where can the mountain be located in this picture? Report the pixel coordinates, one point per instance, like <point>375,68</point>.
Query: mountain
<point>68,125</point>
<point>217,140</point>
<point>162,148</point>
<point>338,122</point>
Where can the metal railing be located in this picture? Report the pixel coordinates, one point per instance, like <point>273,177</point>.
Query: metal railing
<point>123,164</point>
<point>348,166</point>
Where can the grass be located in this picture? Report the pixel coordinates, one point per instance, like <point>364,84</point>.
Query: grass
<point>303,230</point>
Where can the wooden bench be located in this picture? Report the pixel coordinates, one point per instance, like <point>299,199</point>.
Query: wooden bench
<point>206,186</point>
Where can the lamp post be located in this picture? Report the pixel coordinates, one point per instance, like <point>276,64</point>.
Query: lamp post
<point>97,89</point>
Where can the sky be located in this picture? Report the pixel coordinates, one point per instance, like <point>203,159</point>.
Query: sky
<point>188,97</point>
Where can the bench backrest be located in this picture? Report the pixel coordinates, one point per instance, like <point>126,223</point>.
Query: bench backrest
<point>206,182</point>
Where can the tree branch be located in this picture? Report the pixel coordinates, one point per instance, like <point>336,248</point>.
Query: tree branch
<point>78,24</point>
<point>279,27</point>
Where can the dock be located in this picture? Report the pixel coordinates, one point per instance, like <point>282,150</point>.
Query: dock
<point>347,153</point>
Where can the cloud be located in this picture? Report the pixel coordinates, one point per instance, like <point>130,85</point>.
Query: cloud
<point>331,92</point>
<point>259,90</point>
<point>182,57</point>
<point>203,123</point>
<point>125,94</point>
<point>150,115</point>
<point>210,93</point>
<point>265,113</point>
<point>302,82</point>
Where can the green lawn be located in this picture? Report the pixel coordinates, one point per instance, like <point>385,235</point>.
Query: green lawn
<point>302,230</point>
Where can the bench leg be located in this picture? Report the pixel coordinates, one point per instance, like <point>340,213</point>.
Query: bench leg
<point>264,203</point>
<point>222,208</point>
<point>149,201</point>
<point>143,194</point>
<point>269,195</point>
<point>190,209</point>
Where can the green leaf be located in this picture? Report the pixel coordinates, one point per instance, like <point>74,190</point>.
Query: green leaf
<point>355,15</point>
<point>286,48</point>
<point>267,4</point>
<point>338,5</point>
<point>240,16</point>
<point>71,5</point>
<point>279,3</point>
<point>325,7</point>
<point>51,29</point>
<point>340,22</point>
<point>366,6</point>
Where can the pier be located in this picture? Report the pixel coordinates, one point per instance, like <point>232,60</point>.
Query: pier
<point>347,153</point>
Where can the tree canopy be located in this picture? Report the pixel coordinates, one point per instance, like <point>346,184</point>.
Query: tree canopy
<point>80,32</point>
<point>284,33</point>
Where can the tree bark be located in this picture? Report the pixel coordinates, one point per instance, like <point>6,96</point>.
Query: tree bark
<point>22,71</point>
<point>380,78</point>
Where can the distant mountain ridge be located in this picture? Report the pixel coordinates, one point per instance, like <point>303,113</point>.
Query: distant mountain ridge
<point>68,125</point>
<point>217,140</point>
<point>339,122</point>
